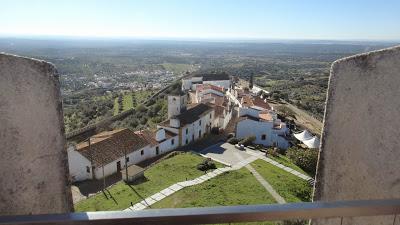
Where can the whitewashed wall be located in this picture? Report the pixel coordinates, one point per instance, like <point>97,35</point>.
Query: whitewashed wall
<point>165,146</point>
<point>194,128</point>
<point>249,111</point>
<point>223,83</point>
<point>134,157</point>
<point>247,127</point>
<point>186,84</point>
<point>77,164</point>
<point>173,130</point>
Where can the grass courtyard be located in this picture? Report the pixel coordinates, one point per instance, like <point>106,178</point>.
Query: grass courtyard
<point>287,162</point>
<point>237,187</point>
<point>290,187</point>
<point>158,177</point>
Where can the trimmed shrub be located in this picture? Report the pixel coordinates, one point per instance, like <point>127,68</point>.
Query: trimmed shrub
<point>207,164</point>
<point>247,141</point>
<point>233,140</point>
<point>306,159</point>
<point>272,151</point>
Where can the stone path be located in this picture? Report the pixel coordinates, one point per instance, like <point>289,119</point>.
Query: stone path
<point>262,156</point>
<point>262,181</point>
<point>266,185</point>
<point>180,185</point>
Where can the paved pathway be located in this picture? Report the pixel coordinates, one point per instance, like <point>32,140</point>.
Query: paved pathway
<point>224,153</point>
<point>266,185</point>
<point>263,182</point>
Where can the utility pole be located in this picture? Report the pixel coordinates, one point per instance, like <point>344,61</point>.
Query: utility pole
<point>104,178</point>
<point>91,161</point>
<point>126,166</point>
<point>91,158</point>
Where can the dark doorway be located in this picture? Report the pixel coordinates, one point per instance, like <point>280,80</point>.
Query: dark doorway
<point>118,166</point>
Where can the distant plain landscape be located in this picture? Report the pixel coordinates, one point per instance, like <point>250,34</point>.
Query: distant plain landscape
<point>101,78</point>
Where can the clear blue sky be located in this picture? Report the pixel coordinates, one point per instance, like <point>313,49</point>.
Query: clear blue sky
<point>220,19</point>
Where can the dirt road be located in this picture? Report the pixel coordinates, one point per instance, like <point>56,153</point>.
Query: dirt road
<point>303,118</point>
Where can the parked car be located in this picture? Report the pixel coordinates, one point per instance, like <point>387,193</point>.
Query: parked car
<point>239,146</point>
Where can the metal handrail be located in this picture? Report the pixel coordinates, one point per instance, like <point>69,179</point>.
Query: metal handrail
<point>225,214</point>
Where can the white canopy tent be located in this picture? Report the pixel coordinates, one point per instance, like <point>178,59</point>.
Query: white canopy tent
<point>305,135</point>
<point>312,143</point>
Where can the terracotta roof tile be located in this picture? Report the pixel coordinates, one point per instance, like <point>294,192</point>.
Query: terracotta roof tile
<point>149,136</point>
<point>106,147</point>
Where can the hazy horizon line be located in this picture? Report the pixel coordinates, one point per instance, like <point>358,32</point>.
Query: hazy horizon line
<point>204,39</point>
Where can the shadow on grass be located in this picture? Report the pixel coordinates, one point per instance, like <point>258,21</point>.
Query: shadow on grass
<point>104,192</point>
<point>137,193</point>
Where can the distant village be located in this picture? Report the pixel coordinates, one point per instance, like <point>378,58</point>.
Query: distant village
<point>207,103</point>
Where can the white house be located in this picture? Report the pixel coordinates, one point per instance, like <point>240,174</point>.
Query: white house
<point>107,150</point>
<point>268,130</point>
<point>207,91</point>
<point>217,79</point>
<point>161,141</point>
<point>191,124</point>
<point>223,114</point>
<point>105,154</point>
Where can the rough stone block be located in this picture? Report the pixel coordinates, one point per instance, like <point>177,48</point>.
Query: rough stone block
<point>33,162</point>
<point>360,155</point>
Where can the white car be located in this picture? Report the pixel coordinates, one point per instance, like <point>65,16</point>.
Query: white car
<point>240,147</point>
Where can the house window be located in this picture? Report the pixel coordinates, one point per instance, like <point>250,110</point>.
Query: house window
<point>263,137</point>
<point>187,130</point>
<point>199,122</point>
<point>88,169</point>
<point>172,141</point>
<point>127,159</point>
<point>142,152</point>
<point>157,150</point>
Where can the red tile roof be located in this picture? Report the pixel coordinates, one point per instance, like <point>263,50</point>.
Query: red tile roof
<point>203,87</point>
<point>109,146</point>
<point>249,101</point>
<point>150,136</point>
<point>257,101</point>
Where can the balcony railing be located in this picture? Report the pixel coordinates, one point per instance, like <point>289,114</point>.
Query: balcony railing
<point>226,214</point>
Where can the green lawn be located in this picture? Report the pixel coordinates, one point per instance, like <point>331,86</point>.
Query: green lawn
<point>158,177</point>
<point>290,187</point>
<point>237,187</point>
<point>286,162</point>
